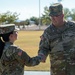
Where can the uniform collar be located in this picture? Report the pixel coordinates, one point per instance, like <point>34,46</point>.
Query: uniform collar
<point>8,43</point>
<point>60,29</point>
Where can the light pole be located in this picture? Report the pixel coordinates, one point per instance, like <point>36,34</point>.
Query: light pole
<point>39,16</point>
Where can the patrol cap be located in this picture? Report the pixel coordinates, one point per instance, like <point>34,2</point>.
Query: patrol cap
<point>56,9</point>
<point>7,28</point>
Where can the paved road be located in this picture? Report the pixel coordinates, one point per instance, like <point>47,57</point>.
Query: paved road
<point>36,73</point>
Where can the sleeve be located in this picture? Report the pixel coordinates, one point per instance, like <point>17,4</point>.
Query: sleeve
<point>44,47</point>
<point>25,59</point>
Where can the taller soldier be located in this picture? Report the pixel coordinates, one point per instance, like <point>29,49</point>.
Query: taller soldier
<point>58,41</point>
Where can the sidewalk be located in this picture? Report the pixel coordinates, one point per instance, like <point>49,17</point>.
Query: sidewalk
<point>36,73</point>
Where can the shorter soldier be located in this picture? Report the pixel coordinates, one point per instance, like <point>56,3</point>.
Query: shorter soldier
<point>12,58</point>
<point>58,41</point>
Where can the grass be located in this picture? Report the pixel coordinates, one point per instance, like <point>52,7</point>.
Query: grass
<point>29,42</point>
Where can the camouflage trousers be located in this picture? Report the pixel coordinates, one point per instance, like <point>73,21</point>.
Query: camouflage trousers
<point>70,70</point>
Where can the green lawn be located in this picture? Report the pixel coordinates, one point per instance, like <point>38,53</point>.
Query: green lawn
<point>29,42</point>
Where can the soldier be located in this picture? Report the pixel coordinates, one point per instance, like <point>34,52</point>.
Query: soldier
<point>12,58</point>
<point>58,41</point>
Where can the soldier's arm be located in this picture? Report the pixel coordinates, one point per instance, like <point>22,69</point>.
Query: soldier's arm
<point>44,47</point>
<point>25,59</point>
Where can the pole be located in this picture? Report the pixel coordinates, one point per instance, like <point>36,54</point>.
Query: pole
<point>39,15</point>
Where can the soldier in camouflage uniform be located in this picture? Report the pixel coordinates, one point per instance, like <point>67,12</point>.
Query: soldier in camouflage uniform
<point>58,41</point>
<point>12,58</point>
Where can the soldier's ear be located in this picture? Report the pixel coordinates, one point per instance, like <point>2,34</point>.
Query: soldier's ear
<point>62,15</point>
<point>10,36</point>
<point>41,37</point>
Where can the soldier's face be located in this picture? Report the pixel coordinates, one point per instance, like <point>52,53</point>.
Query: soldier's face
<point>13,36</point>
<point>57,20</point>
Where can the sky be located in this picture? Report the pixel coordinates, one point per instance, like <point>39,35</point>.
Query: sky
<point>29,8</point>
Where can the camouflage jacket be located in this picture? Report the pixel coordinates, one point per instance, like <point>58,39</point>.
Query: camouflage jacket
<point>14,59</point>
<point>60,44</point>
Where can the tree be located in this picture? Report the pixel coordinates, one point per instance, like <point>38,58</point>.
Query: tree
<point>73,14</point>
<point>8,17</point>
<point>35,19</point>
<point>26,22</point>
<point>67,13</point>
<point>45,17</point>
<point>2,18</point>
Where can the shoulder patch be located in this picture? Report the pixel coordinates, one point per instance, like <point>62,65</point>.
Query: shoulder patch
<point>41,37</point>
<point>20,53</point>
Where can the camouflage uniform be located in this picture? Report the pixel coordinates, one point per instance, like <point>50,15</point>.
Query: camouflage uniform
<point>14,59</point>
<point>59,43</point>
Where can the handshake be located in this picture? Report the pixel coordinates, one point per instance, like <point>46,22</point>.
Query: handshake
<point>38,59</point>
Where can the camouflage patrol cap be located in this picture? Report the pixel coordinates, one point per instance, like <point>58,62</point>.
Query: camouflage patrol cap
<point>56,9</point>
<point>7,28</point>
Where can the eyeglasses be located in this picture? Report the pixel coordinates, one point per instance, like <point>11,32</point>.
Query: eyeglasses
<point>55,15</point>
